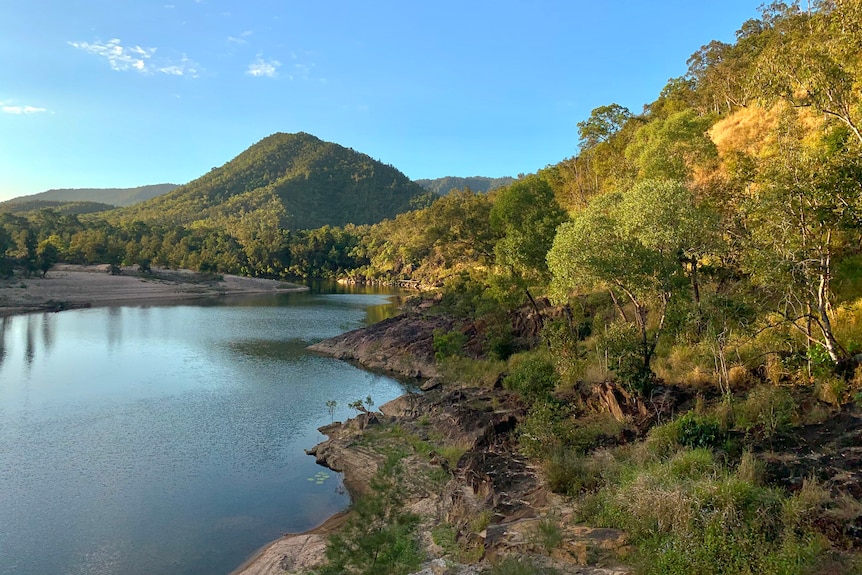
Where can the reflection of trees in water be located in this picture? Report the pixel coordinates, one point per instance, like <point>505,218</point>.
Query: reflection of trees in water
<point>3,323</point>
<point>30,343</point>
<point>114,325</point>
<point>47,332</point>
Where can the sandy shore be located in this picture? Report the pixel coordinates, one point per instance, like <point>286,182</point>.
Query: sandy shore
<point>67,287</point>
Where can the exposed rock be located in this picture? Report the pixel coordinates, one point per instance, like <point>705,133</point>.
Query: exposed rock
<point>357,463</point>
<point>289,555</point>
<point>402,345</point>
<point>432,383</point>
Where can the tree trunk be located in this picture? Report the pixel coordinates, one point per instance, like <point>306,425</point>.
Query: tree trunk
<point>829,341</point>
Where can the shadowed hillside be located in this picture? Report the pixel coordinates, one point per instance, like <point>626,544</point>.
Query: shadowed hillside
<point>443,186</point>
<point>119,197</point>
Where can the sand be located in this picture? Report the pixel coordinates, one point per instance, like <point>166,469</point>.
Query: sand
<point>69,287</point>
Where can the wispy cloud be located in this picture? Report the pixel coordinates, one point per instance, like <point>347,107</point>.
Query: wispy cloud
<point>241,39</point>
<point>20,110</point>
<point>137,58</point>
<point>263,68</point>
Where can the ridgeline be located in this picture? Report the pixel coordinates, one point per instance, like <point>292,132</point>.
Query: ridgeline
<point>299,179</point>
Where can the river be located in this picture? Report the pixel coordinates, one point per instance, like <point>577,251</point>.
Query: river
<point>169,439</point>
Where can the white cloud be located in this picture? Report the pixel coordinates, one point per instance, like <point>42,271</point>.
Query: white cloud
<point>20,110</point>
<point>137,58</point>
<point>261,67</point>
<point>241,39</point>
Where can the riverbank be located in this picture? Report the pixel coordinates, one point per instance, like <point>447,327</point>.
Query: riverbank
<point>478,502</point>
<point>475,498</point>
<point>73,286</point>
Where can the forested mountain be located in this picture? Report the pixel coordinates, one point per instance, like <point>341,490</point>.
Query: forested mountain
<point>294,181</point>
<point>442,186</point>
<point>63,208</point>
<point>119,197</point>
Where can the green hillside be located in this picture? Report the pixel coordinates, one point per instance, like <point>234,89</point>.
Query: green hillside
<point>62,208</point>
<point>443,186</point>
<point>112,196</point>
<point>299,179</point>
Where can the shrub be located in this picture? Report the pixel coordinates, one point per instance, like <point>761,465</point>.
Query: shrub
<point>767,411</point>
<point>533,377</point>
<point>569,472</point>
<point>698,431</point>
<point>548,535</point>
<point>448,344</point>
<point>624,350</point>
<point>543,429</point>
<point>379,538</point>
<point>690,514</point>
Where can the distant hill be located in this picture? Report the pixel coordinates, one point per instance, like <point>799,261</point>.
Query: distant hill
<point>443,186</point>
<point>119,197</point>
<point>295,180</point>
<point>20,207</point>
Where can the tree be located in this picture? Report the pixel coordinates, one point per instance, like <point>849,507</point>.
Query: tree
<point>379,537</point>
<point>636,245</point>
<point>672,147</point>
<point>812,59</point>
<point>526,216</point>
<point>47,255</point>
<point>805,211</point>
<point>604,122</point>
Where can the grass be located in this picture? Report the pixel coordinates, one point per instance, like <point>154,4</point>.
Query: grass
<point>688,513</point>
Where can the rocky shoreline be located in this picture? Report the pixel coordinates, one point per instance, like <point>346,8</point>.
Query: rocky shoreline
<point>463,469</point>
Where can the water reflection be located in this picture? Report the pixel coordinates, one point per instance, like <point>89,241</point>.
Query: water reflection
<point>184,452</point>
<point>3,323</point>
<point>30,343</point>
<point>47,333</point>
<point>113,324</point>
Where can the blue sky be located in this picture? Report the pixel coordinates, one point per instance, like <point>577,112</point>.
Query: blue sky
<point>121,93</point>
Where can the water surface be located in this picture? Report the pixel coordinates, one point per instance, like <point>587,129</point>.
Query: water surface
<point>169,440</point>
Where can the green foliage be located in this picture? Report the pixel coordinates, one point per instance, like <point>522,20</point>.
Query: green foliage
<point>766,412</point>
<point>548,534</point>
<point>672,147</point>
<point>623,346</point>
<point>532,376</point>
<point>317,183</point>
<point>526,216</point>
<point>604,122</point>
<point>380,536</point>
<point>448,344</point>
<point>689,513</point>
<point>442,186</point>
<point>698,431</point>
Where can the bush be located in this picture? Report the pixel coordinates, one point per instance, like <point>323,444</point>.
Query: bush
<point>543,430</point>
<point>379,538</point>
<point>448,344</point>
<point>698,431</point>
<point>767,411</point>
<point>624,348</point>
<point>533,377</point>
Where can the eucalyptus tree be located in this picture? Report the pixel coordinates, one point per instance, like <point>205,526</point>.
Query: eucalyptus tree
<point>811,59</point>
<point>805,211</point>
<point>526,216</point>
<point>642,245</point>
